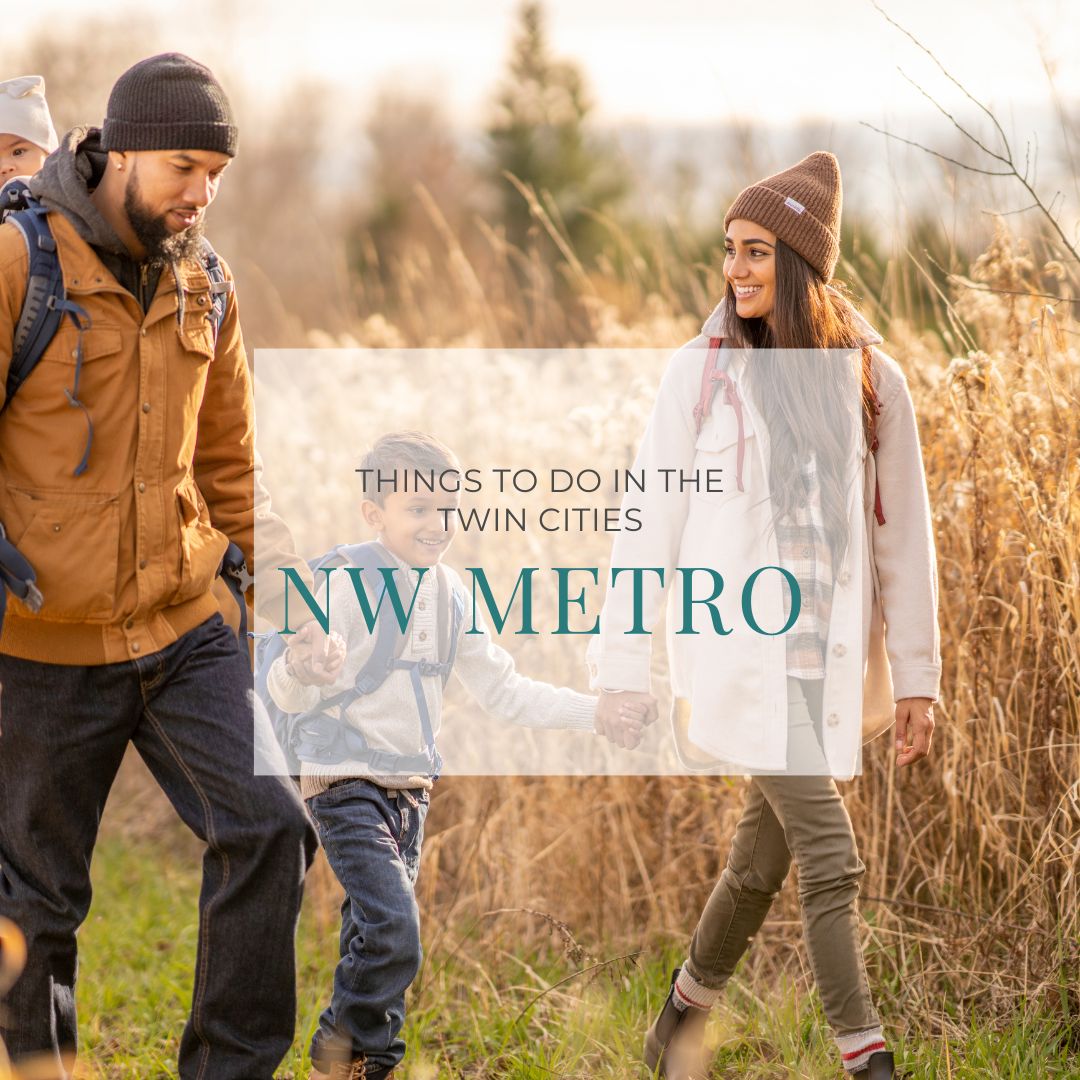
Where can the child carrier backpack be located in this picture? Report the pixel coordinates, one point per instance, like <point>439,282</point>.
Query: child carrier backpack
<point>44,307</point>
<point>713,376</point>
<point>318,738</point>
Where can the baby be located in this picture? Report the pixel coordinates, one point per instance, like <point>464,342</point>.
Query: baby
<point>27,135</point>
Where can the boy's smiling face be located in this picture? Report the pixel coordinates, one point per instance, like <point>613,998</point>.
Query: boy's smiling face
<point>414,525</point>
<point>19,157</point>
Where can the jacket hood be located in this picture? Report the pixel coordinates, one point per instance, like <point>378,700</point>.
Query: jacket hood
<point>65,181</point>
<point>868,335</point>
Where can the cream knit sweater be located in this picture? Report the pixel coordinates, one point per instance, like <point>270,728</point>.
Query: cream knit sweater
<point>389,718</point>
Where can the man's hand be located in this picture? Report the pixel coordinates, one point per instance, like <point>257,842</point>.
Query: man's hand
<point>623,716</point>
<point>314,657</point>
<point>914,722</point>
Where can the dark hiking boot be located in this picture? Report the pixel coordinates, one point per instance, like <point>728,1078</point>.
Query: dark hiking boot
<point>674,1043</point>
<point>880,1066</point>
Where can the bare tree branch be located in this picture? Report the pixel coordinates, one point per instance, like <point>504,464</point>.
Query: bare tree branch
<point>1012,170</point>
<point>941,67</point>
<point>935,153</point>
<point>952,119</point>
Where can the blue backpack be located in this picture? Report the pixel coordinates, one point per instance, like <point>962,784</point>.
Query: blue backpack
<point>319,738</point>
<point>43,310</point>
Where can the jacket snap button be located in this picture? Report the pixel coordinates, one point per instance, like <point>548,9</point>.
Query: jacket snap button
<point>839,650</point>
<point>423,606</point>
<point>129,624</point>
<point>844,578</point>
<point>202,301</point>
<point>143,331</point>
<point>56,528</point>
<point>806,552</point>
<point>142,564</point>
<point>135,646</point>
<point>146,406</point>
<point>833,720</point>
<point>142,487</point>
<point>423,635</point>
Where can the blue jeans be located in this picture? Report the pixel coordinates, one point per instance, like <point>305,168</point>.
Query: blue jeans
<point>372,840</point>
<point>187,709</point>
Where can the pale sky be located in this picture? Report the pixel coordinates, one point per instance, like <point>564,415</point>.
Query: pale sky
<point>676,61</point>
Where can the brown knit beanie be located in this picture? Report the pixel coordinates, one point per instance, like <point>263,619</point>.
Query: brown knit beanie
<point>802,206</point>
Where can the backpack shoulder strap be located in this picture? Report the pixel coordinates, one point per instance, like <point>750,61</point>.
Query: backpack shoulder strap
<point>44,305</point>
<point>42,311</point>
<point>708,383</point>
<point>872,407</point>
<point>451,616</point>
<point>389,640</point>
<point>220,287</point>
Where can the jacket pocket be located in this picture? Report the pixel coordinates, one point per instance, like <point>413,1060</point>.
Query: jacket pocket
<point>201,545</point>
<point>96,343</point>
<point>716,453</point>
<point>72,541</point>
<point>196,332</point>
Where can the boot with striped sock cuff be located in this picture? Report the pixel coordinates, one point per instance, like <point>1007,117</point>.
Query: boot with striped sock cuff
<point>865,1057</point>
<point>674,1045</point>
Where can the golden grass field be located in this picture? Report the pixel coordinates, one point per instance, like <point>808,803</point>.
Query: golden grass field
<point>972,896</point>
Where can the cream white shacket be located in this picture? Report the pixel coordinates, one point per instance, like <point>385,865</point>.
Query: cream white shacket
<point>887,590</point>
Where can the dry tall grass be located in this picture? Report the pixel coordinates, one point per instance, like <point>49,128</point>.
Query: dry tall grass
<point>972,896</point>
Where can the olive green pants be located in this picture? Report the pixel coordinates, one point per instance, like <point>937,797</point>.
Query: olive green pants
<point>800,817</point>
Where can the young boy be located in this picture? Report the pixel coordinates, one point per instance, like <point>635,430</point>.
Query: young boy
<point>372,825</point>
<point>27,136</point>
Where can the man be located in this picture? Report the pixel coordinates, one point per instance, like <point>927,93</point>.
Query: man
<point>126,466</point>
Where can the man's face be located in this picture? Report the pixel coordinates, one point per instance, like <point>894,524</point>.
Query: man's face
<point>166,197</point>
<point>413,525</point>
<point>19,157</point>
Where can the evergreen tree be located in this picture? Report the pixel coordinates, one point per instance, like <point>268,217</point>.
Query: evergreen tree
<point>539,136</point>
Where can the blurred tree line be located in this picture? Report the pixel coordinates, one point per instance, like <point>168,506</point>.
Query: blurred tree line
<point>532,231</point>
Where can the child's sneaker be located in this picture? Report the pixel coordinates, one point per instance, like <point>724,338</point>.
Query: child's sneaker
<point>674,1043</point>
<point>353,1070</point>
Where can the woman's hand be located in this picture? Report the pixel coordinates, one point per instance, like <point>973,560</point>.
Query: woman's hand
<point>914,721</point>
<point>623,715</point>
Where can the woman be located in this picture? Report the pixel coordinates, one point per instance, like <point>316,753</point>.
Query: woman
<point>852,530</point>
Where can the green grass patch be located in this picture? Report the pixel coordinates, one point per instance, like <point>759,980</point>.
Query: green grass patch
<point>482,1007</point>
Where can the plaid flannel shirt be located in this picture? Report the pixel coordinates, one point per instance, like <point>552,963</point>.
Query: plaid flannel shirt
<point>803,550</point>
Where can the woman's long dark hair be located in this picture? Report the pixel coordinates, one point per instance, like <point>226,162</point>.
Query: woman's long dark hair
<point>809,409</point>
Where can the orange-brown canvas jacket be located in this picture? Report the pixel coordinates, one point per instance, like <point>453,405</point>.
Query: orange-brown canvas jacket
<point>127,553</point>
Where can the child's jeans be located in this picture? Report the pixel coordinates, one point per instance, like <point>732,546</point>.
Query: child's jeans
<point>372,839</point>
<point>802,817</point>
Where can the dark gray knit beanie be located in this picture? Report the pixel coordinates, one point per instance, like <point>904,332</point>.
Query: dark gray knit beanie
<point>169,102</point>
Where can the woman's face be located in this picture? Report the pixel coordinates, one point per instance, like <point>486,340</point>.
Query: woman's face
<point>750,268</point>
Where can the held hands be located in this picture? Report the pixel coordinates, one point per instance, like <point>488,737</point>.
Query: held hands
<point>315,658</point>
<point>623,716</point>
<point>914,722</point>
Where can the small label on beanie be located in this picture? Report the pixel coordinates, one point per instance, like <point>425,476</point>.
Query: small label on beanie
<point>796,206</point>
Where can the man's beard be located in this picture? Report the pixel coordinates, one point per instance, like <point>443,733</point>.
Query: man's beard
<point>151,230</point>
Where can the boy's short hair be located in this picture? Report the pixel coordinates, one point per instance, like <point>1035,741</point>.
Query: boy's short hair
<point>399,451</point>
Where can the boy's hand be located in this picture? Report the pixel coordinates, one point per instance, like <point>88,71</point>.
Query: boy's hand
<point>315,658</point>
<point>914,720</point>
<point>622,717</point>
